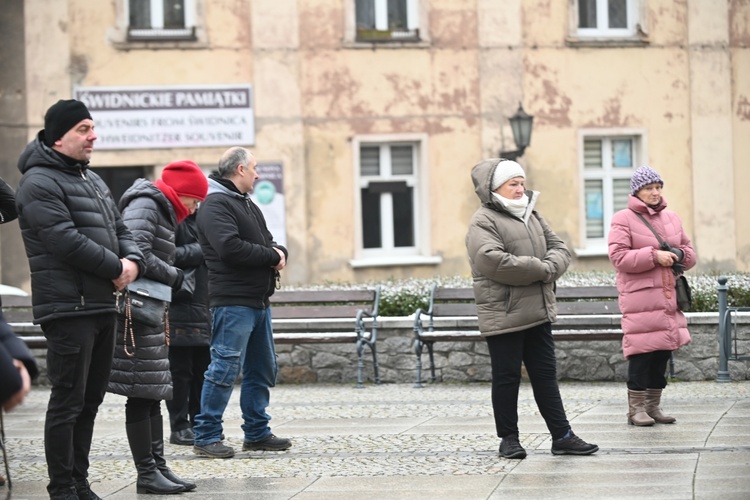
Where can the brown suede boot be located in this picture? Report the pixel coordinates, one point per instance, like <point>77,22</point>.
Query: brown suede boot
<point>653,400</point>
<point>637,409</point>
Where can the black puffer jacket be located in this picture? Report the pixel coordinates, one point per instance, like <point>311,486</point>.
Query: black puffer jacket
<point>152,220</point>
<point>189,317</point>
<point>237,246</point>
<point>73,233</point>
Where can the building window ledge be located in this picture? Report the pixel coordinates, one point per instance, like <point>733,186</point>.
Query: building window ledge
<point>597,251</point>
<point>606,42</point>
<point>390,261</point>
<point>390,44</point>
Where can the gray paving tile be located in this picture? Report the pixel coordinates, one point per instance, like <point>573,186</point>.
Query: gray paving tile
<point>394,441</point>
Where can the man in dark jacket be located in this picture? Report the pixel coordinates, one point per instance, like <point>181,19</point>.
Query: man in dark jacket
<point>243,264</point>
<point>80,253</point>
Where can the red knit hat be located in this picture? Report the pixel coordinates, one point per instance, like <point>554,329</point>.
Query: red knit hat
<point>186,178</point>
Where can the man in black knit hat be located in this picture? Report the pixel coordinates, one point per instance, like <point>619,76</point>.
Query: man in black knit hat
<point>80,254</point>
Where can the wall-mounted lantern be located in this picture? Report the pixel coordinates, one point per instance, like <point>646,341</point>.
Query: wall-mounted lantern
<point>520,124</point>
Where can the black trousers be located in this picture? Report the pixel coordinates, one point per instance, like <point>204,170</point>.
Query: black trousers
<point>536,349</point>
<point>648,370</point>
<point>79,360</point>
<point>140,409</point>
<point>188,365</point>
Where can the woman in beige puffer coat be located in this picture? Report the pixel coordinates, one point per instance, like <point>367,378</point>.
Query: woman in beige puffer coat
<point>515,259</point>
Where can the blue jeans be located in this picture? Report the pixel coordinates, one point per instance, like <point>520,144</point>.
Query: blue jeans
<point>242,338</point>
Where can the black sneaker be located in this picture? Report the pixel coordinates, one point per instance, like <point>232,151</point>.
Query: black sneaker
<point>214,450</point>
<point>271,443</point>
<point>511,448</point>
<point>573,445</point>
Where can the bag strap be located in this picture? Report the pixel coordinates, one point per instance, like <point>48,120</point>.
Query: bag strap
<point>650,227</point>
<point>661,243</point>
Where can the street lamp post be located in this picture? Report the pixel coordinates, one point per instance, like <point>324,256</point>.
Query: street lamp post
<point>520,124</point>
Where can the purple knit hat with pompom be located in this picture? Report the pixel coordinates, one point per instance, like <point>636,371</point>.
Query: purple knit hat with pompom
<point>643,176</point>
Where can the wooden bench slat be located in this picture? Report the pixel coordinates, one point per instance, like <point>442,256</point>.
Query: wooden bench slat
<point>317,337</point>
<point>586,292</point>
<point>17,315</point>
<point>564,308</point>
<point>16,301</point>
<point>587,335</point>
<point>322,296</point>
<point>451,309</point>
<point>454,294</point>
<point>316,311</point>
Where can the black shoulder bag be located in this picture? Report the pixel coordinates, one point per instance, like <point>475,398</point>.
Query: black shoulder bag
<point>145,302</point>
<point>681,285</point>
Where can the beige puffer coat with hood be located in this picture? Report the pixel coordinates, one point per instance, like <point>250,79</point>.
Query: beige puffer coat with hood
<point>514,262</point>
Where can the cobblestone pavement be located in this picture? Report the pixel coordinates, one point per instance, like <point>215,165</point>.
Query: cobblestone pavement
<point>395,441</point>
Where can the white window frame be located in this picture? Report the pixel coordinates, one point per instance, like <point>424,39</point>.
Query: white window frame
<point>636,23</point>
<point>598,246</point>
<point>388,254</point>
<point>157,21</point>
<point>193,35</point>
<point>416,19</point>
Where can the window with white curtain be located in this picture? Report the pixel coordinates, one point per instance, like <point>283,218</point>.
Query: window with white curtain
<point>608,163</point>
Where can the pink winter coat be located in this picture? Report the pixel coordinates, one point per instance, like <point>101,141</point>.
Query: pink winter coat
<point>651,320</point>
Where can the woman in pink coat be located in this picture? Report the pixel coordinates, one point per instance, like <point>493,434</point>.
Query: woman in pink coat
<point>652,324</point>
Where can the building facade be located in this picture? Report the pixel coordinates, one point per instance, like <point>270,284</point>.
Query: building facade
<point>371,113</point>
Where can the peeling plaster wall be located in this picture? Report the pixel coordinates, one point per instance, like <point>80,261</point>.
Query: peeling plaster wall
<point>635,88</point>
<point>13,131</point>
<point>347,93</point>
<point>739,40</point>
<point>711,129</point>
<point>686,89</point>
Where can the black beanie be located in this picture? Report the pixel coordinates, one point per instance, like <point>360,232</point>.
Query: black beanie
<point>61,117</point>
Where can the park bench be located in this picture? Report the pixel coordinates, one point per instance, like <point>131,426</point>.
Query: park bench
<point>583,313</point>
<point>299,317</point>
<point>329,317</point>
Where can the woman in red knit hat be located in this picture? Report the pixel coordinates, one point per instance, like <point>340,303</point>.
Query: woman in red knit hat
<point>152,211</point>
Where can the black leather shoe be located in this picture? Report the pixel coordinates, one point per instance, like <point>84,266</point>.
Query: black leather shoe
<point>185,437</point>
<point>64,494</point>
<point>83,490</point>
<point>271,443</point>
<point>511,448</point>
